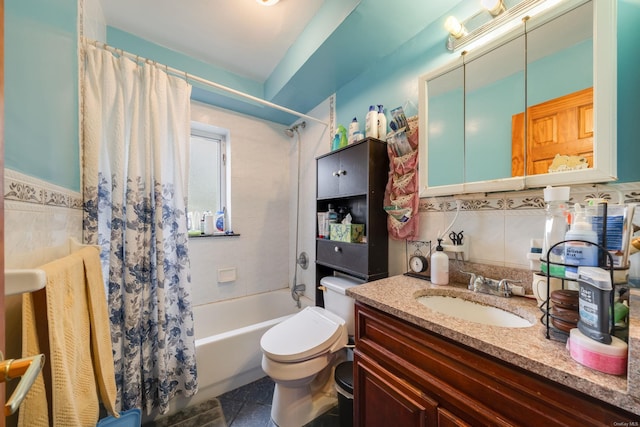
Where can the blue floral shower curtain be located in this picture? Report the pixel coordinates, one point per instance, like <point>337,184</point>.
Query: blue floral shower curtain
<point>135,155</point>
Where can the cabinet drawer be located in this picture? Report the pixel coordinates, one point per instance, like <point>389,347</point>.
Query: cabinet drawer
<point>348,256</point>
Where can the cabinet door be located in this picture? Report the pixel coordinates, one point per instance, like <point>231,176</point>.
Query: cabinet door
<point>328,180</point>
<point>354,165</point>
<point>383,400</point>
<point>344,173</point>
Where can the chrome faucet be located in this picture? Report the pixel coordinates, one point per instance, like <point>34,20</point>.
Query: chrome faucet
<point>501,288</point>
<point>296,292</point>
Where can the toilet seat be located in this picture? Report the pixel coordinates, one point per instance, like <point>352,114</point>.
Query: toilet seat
<point>312,331</point>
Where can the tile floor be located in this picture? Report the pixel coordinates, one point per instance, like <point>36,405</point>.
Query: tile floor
<point>250,406</point>
<point>247,406</point>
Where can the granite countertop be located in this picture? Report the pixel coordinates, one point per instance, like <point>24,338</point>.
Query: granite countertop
<point>527,348</point>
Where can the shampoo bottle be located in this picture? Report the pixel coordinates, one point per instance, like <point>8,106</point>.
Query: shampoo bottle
<point>382,123</point>
<point>353,128</point>
<point>580,253</point>
<point>371,123</point>
<point>439,266</point>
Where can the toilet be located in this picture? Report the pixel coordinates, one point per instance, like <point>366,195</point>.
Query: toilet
<point>301,353</point>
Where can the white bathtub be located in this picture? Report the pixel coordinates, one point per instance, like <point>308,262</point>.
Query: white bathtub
<point>228,334</point>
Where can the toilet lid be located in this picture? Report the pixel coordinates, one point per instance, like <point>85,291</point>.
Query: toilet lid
<point>302,336</point>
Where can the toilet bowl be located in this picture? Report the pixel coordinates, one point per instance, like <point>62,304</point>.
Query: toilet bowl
<point>300,355</point>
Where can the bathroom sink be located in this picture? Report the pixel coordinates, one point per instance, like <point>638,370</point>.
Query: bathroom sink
<point>472,311</point>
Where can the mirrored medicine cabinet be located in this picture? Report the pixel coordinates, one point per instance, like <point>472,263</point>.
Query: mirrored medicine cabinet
<point>535,107</point>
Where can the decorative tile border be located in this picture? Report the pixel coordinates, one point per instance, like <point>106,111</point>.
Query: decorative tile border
<point>27,189</point>
<point>530,199</point>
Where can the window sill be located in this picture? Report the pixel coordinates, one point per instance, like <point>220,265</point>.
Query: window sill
<point>217,235</point>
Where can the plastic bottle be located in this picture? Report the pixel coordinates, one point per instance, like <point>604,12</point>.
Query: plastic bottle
<point>580,253</point>
<point>382,123</point>
<point>371,123</point>
<point>343,136</point>
<point>439,266</point>
<point>354,127</point>
<point>221,221</point>
<point>555,229</point>
<point>335,144</point>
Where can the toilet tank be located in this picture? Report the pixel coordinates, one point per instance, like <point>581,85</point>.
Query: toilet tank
<point>336,300</point>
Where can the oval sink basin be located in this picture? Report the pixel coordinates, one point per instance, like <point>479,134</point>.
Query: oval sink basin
<point>473,312</point>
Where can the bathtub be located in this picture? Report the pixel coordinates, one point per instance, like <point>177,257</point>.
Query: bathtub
<point>228,333</point>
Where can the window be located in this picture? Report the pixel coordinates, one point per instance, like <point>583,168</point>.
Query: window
<point>208,179</point>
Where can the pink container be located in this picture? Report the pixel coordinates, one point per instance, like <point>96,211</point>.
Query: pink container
<point>607,358</point>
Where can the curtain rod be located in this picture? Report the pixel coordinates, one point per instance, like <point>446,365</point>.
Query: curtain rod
<point>206,82</point>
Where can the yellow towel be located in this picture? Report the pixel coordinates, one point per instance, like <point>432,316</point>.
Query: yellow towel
<point>78,325</point>
<point>100,330</point>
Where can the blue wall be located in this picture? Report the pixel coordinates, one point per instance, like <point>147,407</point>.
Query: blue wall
<point>394,82</point>
<point>41,85</point>
<point>41,90</point>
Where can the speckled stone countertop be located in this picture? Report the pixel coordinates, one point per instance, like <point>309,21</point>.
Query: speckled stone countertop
<point>527,347</point>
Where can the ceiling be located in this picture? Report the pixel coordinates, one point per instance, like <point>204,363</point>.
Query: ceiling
<point>240,36</point>
<point>300,51</point>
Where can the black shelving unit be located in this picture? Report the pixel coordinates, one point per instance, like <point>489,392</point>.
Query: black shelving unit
<point>354,177</point>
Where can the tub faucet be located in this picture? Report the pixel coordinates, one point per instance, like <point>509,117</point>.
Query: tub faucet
<point>296,292</point>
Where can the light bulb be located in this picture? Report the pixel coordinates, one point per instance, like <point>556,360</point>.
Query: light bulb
<point>454,27</point>
<point>494,7</point>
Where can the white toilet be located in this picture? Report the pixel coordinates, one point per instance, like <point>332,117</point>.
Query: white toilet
<point>300,354</point>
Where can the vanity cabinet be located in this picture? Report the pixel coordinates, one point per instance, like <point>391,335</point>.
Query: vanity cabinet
<point>409,376</point>
<point>354,178</point>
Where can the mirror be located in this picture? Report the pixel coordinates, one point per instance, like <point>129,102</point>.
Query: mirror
<point>492,96</point>
<point>519,92</point>
<point>446,128</point>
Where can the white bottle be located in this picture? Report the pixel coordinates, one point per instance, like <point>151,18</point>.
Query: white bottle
<point>353,128</point>
<point>371,123</point>
<point>382,123</point>
<point>439,266</point>
<point>580,253</point>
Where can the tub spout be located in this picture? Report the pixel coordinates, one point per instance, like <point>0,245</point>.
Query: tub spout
<point>296,292</point>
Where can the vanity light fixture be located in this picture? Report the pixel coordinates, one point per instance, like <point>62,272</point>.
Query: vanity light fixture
<point>501,23</point>
<point>267,2</point>
<point>494,7</point>
<point>456,30</point>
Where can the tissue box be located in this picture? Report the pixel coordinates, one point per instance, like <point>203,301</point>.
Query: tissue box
<point>346,232</point>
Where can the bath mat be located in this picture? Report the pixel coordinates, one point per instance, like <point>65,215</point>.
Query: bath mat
<point>205,414</point>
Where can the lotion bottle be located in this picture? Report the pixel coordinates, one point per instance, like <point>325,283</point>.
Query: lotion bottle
<point>382,123</point>
<point>371,123</point>
<point>439,266</point>
<point>580,253</point>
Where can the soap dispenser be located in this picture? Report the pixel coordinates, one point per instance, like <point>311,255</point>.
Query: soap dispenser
<point>439,266</point>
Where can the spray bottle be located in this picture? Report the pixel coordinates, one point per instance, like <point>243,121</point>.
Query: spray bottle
<point>343,136</point>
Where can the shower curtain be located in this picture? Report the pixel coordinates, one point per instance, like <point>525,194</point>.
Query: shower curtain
<point>136,129</point>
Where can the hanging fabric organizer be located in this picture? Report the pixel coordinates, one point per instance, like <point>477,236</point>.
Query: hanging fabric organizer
<point>401,197</point>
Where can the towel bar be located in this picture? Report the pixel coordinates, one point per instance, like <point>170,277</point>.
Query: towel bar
<point>28,368</point>
<point>20,281</point>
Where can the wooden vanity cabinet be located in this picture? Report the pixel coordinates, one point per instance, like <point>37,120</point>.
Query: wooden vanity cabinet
<point>354,177</point>
<point>408,376</point>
